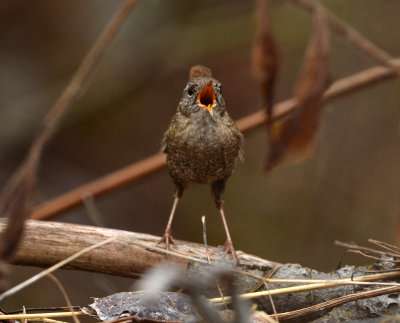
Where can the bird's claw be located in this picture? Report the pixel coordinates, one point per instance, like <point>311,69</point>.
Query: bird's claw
<point>167,239</point>
<point>229,249</point>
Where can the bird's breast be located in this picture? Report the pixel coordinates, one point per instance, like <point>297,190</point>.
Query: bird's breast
<point>201,152</point>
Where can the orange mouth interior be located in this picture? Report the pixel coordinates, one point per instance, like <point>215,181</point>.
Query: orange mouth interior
<point>207,97</point>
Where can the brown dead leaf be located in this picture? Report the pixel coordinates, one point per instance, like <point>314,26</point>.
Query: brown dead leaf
<point>292,138</point>
<point>265,57</point>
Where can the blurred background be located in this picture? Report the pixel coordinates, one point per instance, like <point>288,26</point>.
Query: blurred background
<point>349,190</point>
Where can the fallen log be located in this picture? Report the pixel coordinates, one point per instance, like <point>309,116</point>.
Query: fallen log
<point>46,243</point>
<point>297,292</point>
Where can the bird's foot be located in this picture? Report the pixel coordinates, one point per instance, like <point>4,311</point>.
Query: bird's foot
<point>229,249</point>
<point>167,239</point>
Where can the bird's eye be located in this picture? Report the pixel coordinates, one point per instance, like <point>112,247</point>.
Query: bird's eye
<point>190,90</point>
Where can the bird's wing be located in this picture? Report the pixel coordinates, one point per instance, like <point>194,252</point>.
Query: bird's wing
<point>232,125</point>
<point>164,143</point>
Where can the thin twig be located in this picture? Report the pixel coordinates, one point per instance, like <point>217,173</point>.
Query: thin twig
<point>353,36</point>
<point>43,273</point>
<point>24,312</point>
<point>203,221</point>
<point>387,246</point>
<point>80,79</point>
<point>357,247</point>
<point>156,162</point>
<point>358,252</point>
<point>338,301</point>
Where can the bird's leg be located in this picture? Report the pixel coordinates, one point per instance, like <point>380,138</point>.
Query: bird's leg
<point>228,244</point>
<point>218,189</point>
<point>167,238</point>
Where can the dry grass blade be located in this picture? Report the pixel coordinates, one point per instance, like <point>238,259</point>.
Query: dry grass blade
<point>293,138</point>
<point>265,57</point>
<point>17,195</point>
<point>338,301</point>
<point>328,284</point>
<point>65,295</point>
<point>39,315</point>
<point>42,274</point>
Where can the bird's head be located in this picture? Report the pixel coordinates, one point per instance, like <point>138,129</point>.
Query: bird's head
<point>202,95</point>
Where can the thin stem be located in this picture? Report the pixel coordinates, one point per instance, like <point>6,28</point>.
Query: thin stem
<point>16,197</point>
<point>354,36</point>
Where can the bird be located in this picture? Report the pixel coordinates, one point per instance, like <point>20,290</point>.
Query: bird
<point>202,144</point>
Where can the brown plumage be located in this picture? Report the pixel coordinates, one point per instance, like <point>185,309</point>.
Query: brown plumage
<point>202,144</point>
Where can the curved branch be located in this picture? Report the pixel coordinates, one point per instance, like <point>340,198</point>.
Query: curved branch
<point>156,162</point>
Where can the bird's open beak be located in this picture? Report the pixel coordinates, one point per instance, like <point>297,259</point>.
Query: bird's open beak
<point>207,98</point>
